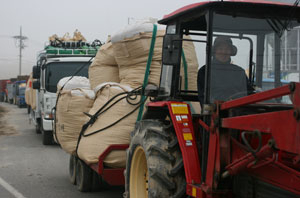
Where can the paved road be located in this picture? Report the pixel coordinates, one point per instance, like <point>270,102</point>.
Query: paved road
<point>29,169</point>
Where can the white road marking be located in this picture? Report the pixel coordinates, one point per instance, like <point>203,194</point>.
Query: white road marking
<point>10,189</point>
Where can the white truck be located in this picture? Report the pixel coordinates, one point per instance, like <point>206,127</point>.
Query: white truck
<point>56,61</point>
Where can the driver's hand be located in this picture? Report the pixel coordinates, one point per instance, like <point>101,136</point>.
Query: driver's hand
<point>257,89</point>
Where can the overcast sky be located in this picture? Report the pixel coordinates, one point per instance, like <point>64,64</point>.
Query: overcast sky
<point>39,19</point>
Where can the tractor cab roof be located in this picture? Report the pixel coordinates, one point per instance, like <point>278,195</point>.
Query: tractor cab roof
<point>254,7</point>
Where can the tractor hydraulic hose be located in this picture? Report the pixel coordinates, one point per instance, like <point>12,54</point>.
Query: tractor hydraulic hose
<point>249,147</point>
<point>149,61</point>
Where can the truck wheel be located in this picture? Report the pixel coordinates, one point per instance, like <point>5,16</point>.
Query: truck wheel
<point>84,176</point>
<point>47,138</point>
<point>154,166</point>
<point>38,129</point>
<point>72,169</point>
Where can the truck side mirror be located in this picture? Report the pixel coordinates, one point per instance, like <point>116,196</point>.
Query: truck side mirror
<point>36,84</point>
<point>171,49</point>
<point>36,72</point>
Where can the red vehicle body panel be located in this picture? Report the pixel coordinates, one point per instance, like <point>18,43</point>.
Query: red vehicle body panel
<point>113,176</point>
<point>196,5</point>
<point>276,163</point>
<point>3,90</point>
<point>3,85</point>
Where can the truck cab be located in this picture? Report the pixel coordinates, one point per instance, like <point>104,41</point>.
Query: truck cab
<point>20,87</point>
<point>57,61</point>
<point>10,90</point>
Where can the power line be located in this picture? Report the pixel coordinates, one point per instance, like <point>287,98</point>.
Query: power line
<point>21,46</point>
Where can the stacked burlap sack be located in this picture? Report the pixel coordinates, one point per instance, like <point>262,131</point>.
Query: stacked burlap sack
<point>30,93</point>
<point>104,68</point>
<point>123,61</point>
<point>28,90</point>
<point>131,49</point>
<point>90,147</point>
<point>75,98</point>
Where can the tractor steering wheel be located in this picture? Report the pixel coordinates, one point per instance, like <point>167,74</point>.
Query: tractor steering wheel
<point>237,95</point>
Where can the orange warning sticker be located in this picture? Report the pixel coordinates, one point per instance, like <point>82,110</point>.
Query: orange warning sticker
<point>194,192</point>
<point>179,108</point>
<point>187,136</point>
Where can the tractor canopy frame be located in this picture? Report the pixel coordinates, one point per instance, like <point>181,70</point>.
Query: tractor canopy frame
<point>242,135</point>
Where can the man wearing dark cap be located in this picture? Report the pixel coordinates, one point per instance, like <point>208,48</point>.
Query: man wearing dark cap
<point>227,79</point>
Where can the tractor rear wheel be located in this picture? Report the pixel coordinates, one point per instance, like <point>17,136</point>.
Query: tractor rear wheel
<point>154,162</point>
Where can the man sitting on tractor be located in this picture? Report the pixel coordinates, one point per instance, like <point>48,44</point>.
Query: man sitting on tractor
<point>228,80</point>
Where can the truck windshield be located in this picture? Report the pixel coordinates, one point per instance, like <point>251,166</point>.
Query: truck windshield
<point>246,51</point>
<point>58,70</point>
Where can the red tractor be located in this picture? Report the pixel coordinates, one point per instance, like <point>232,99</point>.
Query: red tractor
<point>245,142</point>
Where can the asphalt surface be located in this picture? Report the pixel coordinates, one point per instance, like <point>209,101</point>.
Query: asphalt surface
<point>29,169</point>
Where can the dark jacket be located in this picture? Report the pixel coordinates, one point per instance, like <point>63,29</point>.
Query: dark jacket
<point>228,80</point>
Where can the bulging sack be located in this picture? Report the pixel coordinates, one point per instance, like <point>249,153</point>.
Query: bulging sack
<point>104,68</point>
<point>74,83</point>
<point>75,98</point>
<point>30,93</point>
<point>91,147</point>
<point>132,54</point>
<point>28,90</point>
<point>70,117</point>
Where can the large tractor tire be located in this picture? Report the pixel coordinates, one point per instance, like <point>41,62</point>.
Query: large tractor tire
<point>84,177</point>
<point>154,166</point>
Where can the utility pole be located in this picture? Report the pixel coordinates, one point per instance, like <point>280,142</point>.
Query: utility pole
<point>21,46</point>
